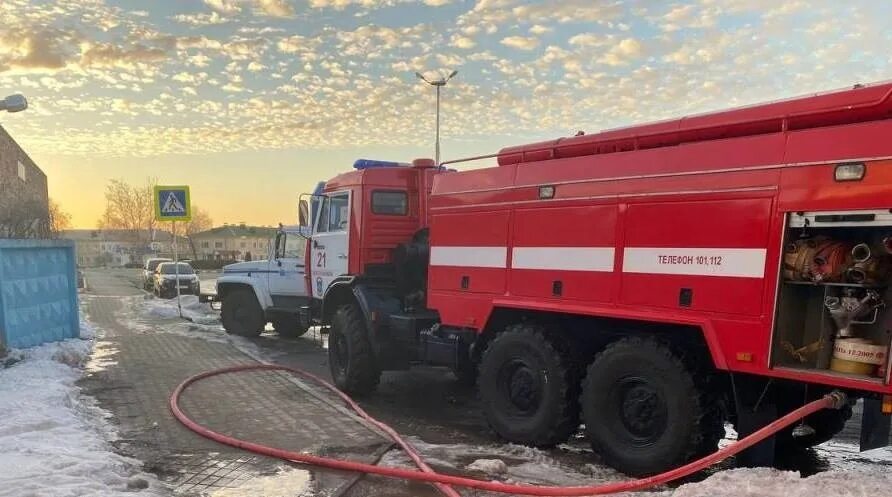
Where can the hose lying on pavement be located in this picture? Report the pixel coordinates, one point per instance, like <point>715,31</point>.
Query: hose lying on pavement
<point>834,400</point>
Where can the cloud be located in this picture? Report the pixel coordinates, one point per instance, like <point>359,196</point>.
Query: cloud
<point>224,6</point>
<point>538,29</point>
<point>201,19</point>
<point>586,40</point>
<point>622,52</point>
<point>521,42</point>
<point>276,8</point>
<point>42,51</point>
<point>459,41</point>
<point>109,55</point>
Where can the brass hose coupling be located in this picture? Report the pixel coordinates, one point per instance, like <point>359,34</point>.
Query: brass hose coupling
<point>839,399</point>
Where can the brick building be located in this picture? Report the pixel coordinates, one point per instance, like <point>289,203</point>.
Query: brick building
<point>24,201</point>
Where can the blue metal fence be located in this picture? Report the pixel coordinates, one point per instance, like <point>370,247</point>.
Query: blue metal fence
<point>38,292</point>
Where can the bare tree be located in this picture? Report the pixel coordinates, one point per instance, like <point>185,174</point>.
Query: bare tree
<point>59,219</point>
<point>201,221</point>
<point>130,207</point>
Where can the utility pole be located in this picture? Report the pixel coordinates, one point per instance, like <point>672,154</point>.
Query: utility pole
<point>437,83</point>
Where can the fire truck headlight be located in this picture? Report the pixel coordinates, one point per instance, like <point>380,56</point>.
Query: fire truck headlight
<point>849,172</point>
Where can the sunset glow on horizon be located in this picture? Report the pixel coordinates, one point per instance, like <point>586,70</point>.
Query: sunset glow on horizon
<point>252,102</point>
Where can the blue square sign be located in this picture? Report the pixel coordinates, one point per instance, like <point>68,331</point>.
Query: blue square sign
<point>172,203</point>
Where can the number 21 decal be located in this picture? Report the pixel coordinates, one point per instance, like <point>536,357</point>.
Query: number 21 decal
<point>320,259</point>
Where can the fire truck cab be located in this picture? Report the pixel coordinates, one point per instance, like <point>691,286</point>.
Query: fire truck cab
<point>651,282</point>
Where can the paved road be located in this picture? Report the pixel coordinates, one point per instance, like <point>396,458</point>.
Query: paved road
<point>426,404</point>
<point>141,358</point>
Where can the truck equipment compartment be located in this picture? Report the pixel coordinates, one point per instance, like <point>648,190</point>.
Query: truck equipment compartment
<point>833,301</point>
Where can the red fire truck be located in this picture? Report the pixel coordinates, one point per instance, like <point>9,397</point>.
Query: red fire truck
<point>651,282</point>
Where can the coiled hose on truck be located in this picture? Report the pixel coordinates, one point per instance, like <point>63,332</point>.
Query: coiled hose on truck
<point>833,400</point>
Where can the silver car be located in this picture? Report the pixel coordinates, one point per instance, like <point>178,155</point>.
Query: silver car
<point>148,272</point>
<point>166,280</point>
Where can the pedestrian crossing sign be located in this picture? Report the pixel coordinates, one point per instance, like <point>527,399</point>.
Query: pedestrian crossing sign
<point>172,203</point>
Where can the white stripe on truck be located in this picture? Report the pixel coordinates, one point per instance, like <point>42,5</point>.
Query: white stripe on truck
<point>494,257</point>
<point>728,262</point>
<point>563,258</point>
<point>725,262</point>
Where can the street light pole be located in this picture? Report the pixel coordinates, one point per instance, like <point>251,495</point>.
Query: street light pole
<point>437,83</point>
<point>437,145</point>
<point>13,103</point>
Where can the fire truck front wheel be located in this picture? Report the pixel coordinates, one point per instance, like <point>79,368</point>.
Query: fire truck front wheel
<point>529,387</point>
<point>241,313</point>
<point>643,410</point>
<point>350,355</point>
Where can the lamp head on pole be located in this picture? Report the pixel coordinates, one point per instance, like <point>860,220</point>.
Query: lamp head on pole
<point>13,103</point>
<point>437,82</point>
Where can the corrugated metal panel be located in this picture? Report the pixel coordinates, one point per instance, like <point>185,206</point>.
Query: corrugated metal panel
<point>38,292</point>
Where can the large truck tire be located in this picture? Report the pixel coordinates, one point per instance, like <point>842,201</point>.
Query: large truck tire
<point>643,411</point>
<point>290,327</point>
<point>529,387</point>
<point>350,356</point>
<point>241,313</point>
<point>826,424</point>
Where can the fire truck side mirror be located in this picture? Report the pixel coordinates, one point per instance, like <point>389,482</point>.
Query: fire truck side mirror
<point>303,214</point>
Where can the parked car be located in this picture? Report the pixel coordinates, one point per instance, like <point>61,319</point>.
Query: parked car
<point>148,272</point>
<point>165,280</point>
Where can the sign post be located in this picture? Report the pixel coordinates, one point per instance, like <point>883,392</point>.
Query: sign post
<point>172,204</point>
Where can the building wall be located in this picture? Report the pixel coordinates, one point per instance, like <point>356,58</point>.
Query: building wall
<point>23,183</point>
<point>228,247</point>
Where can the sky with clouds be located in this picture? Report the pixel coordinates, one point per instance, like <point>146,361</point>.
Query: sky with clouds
<point>253,101</point>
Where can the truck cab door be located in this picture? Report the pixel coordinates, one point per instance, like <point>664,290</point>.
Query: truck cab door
<point>330,241</point>
<point>286,271</point>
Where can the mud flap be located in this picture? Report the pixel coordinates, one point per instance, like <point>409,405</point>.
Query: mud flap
<point>874,425</point>
<point>749,421</point>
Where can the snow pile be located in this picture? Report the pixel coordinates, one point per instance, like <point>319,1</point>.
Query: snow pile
<point>518,464</point>
<point>286,482</point>
<point>763,482</point>
<point>489,466</point>
<point>49,441</point>
<point>193,309</point>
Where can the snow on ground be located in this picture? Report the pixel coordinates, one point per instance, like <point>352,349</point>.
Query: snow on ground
<point>203,322</point>
<point>288,481</point>
<point>763,482</point>
<point>193,309</point>
<point>53,440</point>
<point>518,464</point>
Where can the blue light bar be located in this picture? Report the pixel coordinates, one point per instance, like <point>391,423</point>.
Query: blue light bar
<point>371,164</point>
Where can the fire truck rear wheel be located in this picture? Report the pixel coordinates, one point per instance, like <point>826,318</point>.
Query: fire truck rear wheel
<point>642,409</point>
<point>529,387</point>
<point>241,313</point>
<point>350,355</point>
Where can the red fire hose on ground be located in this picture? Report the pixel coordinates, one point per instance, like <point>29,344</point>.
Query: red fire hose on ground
<point>834,400</point>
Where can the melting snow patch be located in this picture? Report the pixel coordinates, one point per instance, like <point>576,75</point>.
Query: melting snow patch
<point>193,309</point>
<point>488,466</point>
<point>53,439</point>
<point>285,483</point>
<point>763,482</point>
